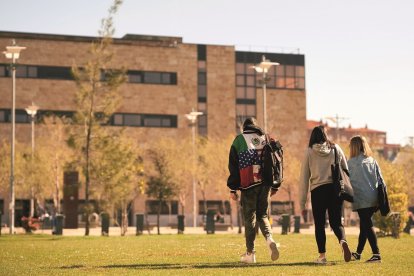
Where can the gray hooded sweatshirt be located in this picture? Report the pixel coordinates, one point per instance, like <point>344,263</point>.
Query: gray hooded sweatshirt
<point>316,168</point>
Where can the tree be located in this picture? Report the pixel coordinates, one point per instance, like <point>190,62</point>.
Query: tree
<point>160,185</point>
<point>53,155</point>
<point>120,174</point>
<point>97,98</point>
<point>396,181</point>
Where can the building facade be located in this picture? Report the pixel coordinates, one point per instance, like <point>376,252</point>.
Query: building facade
<point>166,79</point>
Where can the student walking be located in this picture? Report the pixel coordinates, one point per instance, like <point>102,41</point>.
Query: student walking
<point>245,175</point>
<point>364,173</point>
<point>316,176</point>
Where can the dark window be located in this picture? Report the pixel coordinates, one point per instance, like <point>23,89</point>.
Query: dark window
<point>118,120</point>
<point>222,207</point>
<point>2,116</point>
<point>2,70</point>
<point>32,72</point>
<point>201,52</point>
<point>21,71</point>
<point>134,77</point>
<point>54,72</point>
<point>132,120</point>
<point>166,78</point>
<point>202,91</point>
<point>152,77</point>
<point>167,208</point>
<point>152,122</point>
<point>202,78</point>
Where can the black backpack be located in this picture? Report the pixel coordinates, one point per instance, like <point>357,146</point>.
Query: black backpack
<point>272,163</point>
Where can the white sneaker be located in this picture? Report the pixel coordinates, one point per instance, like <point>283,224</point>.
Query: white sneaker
<point>320,261</point>
<point>248,258</point>
<point>274,253</point>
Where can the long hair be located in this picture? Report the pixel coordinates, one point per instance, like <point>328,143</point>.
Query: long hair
<point>319,136</point>
<point>358,145</point>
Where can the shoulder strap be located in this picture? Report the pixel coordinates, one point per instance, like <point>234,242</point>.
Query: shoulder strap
<point>336,154</point>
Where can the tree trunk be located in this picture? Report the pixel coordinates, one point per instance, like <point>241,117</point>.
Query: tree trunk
<point>158,216</point>
<point>124,220</point>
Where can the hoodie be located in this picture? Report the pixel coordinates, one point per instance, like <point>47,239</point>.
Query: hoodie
<point>245,159</point>
<point>316,168</point>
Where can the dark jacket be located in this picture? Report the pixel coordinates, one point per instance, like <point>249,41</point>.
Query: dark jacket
<point>245,159</point>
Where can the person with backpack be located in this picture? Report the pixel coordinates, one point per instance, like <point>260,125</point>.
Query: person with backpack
<point>365,176</point>
<point>245,167</point>
<point>316,176</point>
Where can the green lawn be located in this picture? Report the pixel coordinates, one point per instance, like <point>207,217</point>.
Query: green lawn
<point>190,255</point>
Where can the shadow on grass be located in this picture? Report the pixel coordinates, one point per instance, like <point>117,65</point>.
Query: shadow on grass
<point>196,266</point>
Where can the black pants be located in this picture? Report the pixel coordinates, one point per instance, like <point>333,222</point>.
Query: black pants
<point>366,230</point>
<point>324,199</point>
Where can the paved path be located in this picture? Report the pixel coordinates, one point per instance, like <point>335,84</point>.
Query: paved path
<point>115,231</point>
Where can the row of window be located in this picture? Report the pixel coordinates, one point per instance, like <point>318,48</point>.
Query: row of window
<point>117,119</point>
<point>65,73</point>
<point>202,88</point>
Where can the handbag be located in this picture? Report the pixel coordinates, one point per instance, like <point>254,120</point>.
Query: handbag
<point>340,179</point>
<point>383,203</point>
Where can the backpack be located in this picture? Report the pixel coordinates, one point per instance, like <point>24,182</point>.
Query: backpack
<point>272,163</point>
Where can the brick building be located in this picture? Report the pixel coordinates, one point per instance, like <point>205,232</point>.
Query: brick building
<point>167,78</point>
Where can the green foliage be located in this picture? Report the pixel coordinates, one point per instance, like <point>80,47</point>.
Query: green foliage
<point>396,181</point>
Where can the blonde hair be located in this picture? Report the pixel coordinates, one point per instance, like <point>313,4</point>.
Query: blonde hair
<point>359,145</point>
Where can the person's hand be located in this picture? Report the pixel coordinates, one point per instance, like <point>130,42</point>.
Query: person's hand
<point>273,192</point>
<point>234,196</point>
<point>304,213</point>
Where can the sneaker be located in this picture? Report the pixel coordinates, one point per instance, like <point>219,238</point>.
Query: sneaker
<point>376,258</point>
<point>274,253</point>
<point>248,258</point>
<point>356,256</point>
<point>346,251</point>
<point>321,260</point>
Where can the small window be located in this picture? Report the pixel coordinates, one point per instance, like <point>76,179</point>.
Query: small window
<point>202,91</point>
<point>165,78</point>
<point>290,82</point>
<point>280,82</point>
<point>2,116</point>
<point>280,70</point>
<point>21,118</point>
<point>118,120</point>
<point>32,72</point>
<point>202,107</point>
<point>240,80</point>
<point>250,81</point>
<point>166,122</point>
<point>240,68</point>
<point>21,71</point>
<point>300,83</point>
<point>240,92</point>
<point>250,93</point>
<point>201,65</point>
<point>152,77</point>
<point>132,120</point>
<point>135,78</point>
<point>300,71</point>
<point>2,71</point>
<point>290,70</point>
<point>152,122</point>
<point>202,78</point>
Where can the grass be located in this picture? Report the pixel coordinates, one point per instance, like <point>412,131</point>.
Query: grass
<point>190,255</point>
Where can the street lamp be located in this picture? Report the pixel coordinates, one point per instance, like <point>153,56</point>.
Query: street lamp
<point>31,111</point>
<point>13,53</point>
<point>263,67</point>
<point>192,117</point>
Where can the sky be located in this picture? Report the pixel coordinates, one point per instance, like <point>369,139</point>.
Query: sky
<point>359,54</point>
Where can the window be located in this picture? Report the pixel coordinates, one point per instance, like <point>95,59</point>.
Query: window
<point>167,208</point>
<point>152,77</point>
<point>202,78</point>
<point>2,116</point>
<point>134,77</point>
<point>21,71</point>
<point>118,120</point>
<point>32,72</point>
<point>132,120</point>
<point>2,71</point>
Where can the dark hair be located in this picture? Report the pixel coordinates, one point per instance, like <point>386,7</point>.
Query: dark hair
<point>319,136</point>
<point>251,121</point>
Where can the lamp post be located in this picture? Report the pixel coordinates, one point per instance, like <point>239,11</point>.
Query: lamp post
<point>192,117</point>
<point>263,67</point>
<point>13,53</point>
<point>31,111</point>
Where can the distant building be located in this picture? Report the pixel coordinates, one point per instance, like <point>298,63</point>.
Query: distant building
<point>377,139</point>
<point>167,78</point>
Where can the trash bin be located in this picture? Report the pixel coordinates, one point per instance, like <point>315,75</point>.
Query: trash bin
<point>395,231</point>
<point>105,224</point>
<point>285,224</point>
<point>210,222</point>
<point>297,224</point>
<point>140,223</point>
<point>58,225</point>
<point>180,224</point>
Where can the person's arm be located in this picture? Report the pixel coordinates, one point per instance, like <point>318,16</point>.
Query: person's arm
<point>344,163</point>
<point>304,180</point>
<point>233,182</point>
